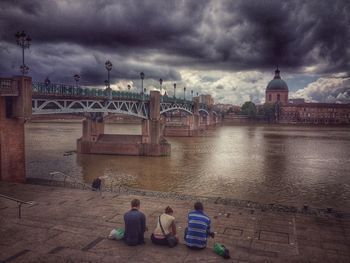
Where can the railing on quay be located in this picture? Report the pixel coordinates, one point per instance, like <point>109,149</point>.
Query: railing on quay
<point>19,202</point>
<point>81,185</point>
<point>65,181</point>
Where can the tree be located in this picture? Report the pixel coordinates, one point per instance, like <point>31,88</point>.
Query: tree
<point>249,109</point>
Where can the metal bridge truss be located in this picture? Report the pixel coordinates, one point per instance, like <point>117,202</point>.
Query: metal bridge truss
<point>172,106</point>
<point>55,106</point>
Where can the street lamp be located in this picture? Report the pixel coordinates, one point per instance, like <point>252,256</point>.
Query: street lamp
<point>174,90</point>
<point>184,93</point>
<point>76,78</point>
<point>161,82</point>
<point>47,83</point>
<point>108,66</point>
<point>191,94</point>
<point>142,76</point>
<point>23,40</point>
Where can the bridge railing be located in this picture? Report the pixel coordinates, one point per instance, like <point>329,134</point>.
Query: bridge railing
<point>19,202</point>
<point>167,99</point>
<point>41,88</point>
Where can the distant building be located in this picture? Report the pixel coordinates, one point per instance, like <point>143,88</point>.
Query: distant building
<point>299,111</point>
<point>206,99</point>
<point>296,101</point>
<point>225,107</point>
<point>277,90</point>
<point>316,113</point>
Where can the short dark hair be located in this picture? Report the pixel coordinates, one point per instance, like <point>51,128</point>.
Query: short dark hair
<point>198,206</point>
<point>168,210</point>
<point>135,203</point>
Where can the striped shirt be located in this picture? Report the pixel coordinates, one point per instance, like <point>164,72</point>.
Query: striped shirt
<point>198,229</point>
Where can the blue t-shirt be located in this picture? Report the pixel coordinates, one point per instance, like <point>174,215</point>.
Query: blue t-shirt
<point>135,226</point>
<point>198,229</point>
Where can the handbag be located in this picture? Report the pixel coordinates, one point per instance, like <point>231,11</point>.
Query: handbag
<point>172,241</point>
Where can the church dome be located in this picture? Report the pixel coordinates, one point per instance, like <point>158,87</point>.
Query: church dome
<point>277,83</point>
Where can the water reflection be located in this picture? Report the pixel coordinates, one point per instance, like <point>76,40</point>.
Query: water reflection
<point>270,164</point>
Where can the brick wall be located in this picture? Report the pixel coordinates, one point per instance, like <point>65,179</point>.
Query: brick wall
<point>12,163</point>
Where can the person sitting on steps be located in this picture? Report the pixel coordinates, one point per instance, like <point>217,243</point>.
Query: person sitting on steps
<point>135,225</point>
<point>168,223</point>
<point>198,228</point>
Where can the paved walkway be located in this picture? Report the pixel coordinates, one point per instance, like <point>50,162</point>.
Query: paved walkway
<point>70,225</point>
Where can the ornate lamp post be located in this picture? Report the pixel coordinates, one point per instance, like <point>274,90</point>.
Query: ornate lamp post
<point>108,66</point>
<point>184,93</point>
<point>23,40</point>
<point>160,83</point>
<point>142,76</point>
<point>47,83</point>
<point>76,78</point>
<point>174,90</point>
<point>191,95</point>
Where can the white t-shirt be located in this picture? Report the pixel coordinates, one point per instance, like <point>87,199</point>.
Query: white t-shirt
<point>166,221</point>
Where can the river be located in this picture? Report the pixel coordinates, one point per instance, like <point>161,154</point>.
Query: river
<point>289,165</point>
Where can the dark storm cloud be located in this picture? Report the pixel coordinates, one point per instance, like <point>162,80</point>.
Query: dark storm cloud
<point>161,37</point>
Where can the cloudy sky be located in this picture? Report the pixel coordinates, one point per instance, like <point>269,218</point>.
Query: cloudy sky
<point>225,48</point>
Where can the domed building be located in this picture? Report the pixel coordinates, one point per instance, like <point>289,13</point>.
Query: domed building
<point>277,90</point>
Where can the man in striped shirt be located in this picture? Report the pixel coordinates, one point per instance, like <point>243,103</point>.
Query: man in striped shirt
<point>198,229</point>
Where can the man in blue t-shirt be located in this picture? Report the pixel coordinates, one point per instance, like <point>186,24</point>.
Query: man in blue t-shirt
<point>135,225</point>
<point>198,229</point>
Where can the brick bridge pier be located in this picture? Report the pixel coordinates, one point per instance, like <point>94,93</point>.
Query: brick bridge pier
<point>15,109</point>
<point>150,143</point>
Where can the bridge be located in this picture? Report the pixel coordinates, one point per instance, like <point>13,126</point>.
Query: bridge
<point>62,98</point>
<point>20,99</point>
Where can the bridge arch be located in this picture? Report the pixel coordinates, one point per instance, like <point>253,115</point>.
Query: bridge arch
<point>174,109</point>
<point>204,110</point>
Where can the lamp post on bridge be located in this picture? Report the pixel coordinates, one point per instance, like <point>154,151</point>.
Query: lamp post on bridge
<point>76,78</point>
<point>142,76</point>
<point>191,95</point>
<point>23,40</point>
<point>175,92</point>
<point>184,94</point>
<point>161,96</point>
<point>108,66</point>
<point>47,83</point>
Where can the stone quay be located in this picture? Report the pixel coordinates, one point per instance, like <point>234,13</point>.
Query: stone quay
<point>71,225</point>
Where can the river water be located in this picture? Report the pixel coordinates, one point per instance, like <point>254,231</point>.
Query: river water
<point>290,165</point>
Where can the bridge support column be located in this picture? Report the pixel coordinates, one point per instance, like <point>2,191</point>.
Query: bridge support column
<point>93,127</point>
<point>195,117</point>
<point>15,108</point>
<point>153,142</point>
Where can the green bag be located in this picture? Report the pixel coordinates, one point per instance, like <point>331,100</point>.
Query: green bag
<point>219,249</point>
<point>116,234</point>
<point>119,233</point>
<point>222,251</point>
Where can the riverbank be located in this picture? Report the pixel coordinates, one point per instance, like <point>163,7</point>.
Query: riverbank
<point>67,224</point>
